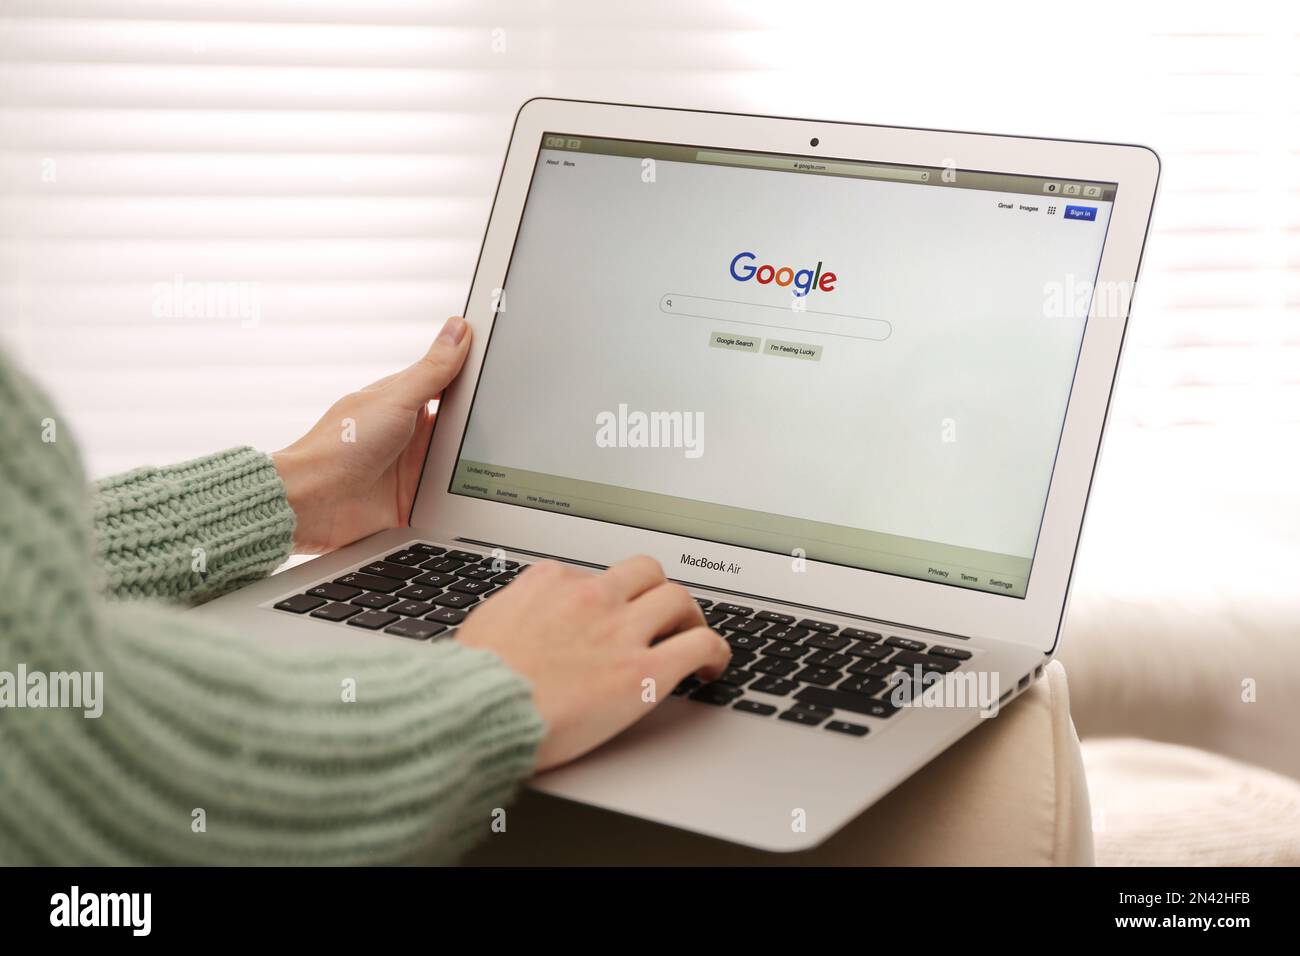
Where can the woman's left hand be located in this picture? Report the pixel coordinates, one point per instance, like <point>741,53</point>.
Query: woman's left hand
<point>356,471</point>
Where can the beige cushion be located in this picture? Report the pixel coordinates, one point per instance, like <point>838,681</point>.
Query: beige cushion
<point>1210,668</point>
<point>1158,804</point>
<point>1011,793</point>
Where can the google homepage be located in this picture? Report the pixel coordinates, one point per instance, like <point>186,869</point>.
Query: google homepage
<point>859,371</point>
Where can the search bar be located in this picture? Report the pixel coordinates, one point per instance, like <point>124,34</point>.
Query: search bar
<point>897,173</point>
<point>776,317</point>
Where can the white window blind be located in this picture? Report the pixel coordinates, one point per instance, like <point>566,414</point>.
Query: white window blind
<point>329,165</point>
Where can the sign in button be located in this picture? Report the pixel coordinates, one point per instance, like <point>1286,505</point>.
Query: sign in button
<point>1086,213</point>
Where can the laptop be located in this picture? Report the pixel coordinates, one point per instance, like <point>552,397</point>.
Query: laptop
<point>847,383</point>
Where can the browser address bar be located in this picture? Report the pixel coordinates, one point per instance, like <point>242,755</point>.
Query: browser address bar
<point>899,173</point>
<point>776,317</point>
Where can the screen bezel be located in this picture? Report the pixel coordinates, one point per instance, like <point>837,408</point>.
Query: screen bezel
<point>1035,618</point>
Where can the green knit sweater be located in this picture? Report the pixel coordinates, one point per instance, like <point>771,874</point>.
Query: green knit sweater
<point>212,747</point>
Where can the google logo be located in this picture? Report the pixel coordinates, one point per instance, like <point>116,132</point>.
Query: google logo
<point>803,280</point>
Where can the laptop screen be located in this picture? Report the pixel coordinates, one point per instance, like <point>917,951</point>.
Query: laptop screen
<point>857,363</point>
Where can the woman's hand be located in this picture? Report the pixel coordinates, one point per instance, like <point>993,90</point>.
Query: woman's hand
<point>356,471</point>
<point>591,644</point>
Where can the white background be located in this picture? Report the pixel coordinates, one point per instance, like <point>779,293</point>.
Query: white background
<point>860,438</point>
<point>343,153</point>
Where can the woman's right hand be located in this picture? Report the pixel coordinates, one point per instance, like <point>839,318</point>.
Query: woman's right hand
<point>588,643</point>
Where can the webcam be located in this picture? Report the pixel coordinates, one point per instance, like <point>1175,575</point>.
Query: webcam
<point>814,141</point>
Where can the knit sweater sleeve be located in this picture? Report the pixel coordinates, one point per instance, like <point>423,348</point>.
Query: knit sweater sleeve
<point>192,531</point>
<point>209,748</point>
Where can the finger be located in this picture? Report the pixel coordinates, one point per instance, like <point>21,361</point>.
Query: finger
<point>410,463</point>
<point>666,609</point>
<point>425,380</point>
<point>633,577</point>
<point>701,649</point>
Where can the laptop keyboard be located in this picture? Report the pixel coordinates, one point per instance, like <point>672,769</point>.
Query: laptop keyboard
<point>422,592</point>
<point>812,672</point>
<point>796,669</point>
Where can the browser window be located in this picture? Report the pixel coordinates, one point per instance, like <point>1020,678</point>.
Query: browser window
<point>848,362</point>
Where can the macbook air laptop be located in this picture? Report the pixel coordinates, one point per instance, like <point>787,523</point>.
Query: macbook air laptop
<point>847,383</point>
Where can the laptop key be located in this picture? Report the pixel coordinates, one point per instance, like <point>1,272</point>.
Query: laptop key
<point>435,579</point>
<point>787,652</point>
<point>455,600</point>
<point>336,612</point>
<point>429,550</point>
<point>334,592</point>
<point>741,658</point>
<point>746,642</point>
<point>498,565</point>
<point>735,676</point>
<point>843,700</point>
<point>745,625</point>
<point>442,565</point>
<point>809,718</point>
<point>417,630</point>
<point>704,603</point>
<point>387,570</point>
<point>828,642</point>
<point>876,669</point>
<point>821,676</point>
<point>844,727</point>
<point>866,686</point>
<point>777,686</point>
<point>867,637</point>
<point>419,592</point>
<point>471,587</point>
<point>369,582</point>
<point>687,685</point>
<point>956,653</point>
<point>906,643</point>
<point>374,600</point>
<point>719,695</point>
<point>479,573</point>
<point>300,603</point>
<point>373,620</point>
<point>818,626</point>
<point>411,558</point>
<point>869,652</point>
<point>464,556</point>
<point>446,615</point>
<point>774,617</point>
<point>828,659</point>
<point>780,632</point>
<point>775,666</point>
<point>715,618</point>
<point>926,662</point>
<point>504,578</point>
<point>411,608</point>
<point>754,707</point>
<point>737,609</point>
